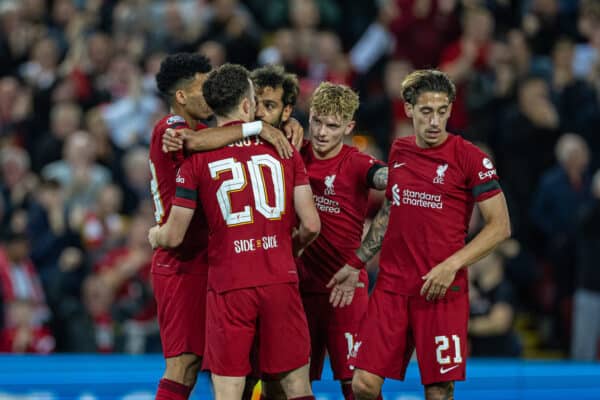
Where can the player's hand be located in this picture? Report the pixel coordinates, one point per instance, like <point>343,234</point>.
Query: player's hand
<point>172,140</point>
<point>344,283</point>
<point>294,132</point>
<point>437,281</point>
<point>275,137</point>
<point>153,236</point>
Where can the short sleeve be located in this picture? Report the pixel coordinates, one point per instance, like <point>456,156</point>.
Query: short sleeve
<point>300,175</point>
<point>186,191</point>
<point>392,156</point>
<point>481,175</point>
<point>173,122</point>
<point>365,167</point>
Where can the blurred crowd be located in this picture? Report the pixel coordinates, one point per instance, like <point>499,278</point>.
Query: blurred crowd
<point>78,101</point>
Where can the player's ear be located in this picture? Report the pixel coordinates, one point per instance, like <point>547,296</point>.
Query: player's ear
<point>349,127</point>
<point>246,105</point>
<point>286,113</point>
<point>180,97</point>
<point>408,109</point>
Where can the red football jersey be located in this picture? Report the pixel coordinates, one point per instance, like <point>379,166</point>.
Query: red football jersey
<point>432,193</point>
<point>191,255</point>
<point>341,191</point>
<point>247,193</point>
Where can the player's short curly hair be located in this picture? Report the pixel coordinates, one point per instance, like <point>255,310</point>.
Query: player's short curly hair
<point>177,70</point>
<point>274,76</point>
<point>335,99</point>
<point>426,80</point>
<point>225,88</point>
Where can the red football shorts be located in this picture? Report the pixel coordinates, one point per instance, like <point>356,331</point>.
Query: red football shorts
<point>273,313</point>
<point>333,330</point>
<point>181,303</point>
<point>396,324</point>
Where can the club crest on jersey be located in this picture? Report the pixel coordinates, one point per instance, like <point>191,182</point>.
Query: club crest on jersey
<point>395,195</point>
<point>179,179</point>
<point>175,119</point>
<point>329,190</point>
<point>353,345</point>
<point>440,174</point>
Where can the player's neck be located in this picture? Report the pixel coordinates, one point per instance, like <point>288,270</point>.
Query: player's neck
<point>191,121</point>
<point>329,154</point>
<point>424,145</point>
<point>228,119</point>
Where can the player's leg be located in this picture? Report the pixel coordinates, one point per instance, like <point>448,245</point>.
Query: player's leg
<point>366,385</point>
<point>183,368</point>
<point>318,312</point>
<point>439,391</point>
<point>230,329</point>
<point>296,383</point>
<point>284,341</point>
<point>440,332</point>
<point>253,378</point>
<point>385,345</point>
<point>249,385</point>
<point>271,389</point>
<point>228,387</point>
<point>342,337</point>
<point>181,303</point>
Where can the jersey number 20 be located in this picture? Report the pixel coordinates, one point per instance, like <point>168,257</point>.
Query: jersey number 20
<point>238,182</point>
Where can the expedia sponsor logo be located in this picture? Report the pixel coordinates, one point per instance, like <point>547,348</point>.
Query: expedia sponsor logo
<point>325,204</point>
<point>490,172</point>
<point>487,174</point>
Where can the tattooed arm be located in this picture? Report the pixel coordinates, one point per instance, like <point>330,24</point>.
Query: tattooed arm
<point>346,279</point>
<point>371,244</point>
<point>380,179</point>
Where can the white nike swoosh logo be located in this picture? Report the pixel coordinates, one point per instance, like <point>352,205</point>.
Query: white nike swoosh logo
<point>398,165</point>
<point>445,370</point>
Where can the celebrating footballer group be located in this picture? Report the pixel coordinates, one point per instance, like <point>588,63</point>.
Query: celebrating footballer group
<point>258,267</point>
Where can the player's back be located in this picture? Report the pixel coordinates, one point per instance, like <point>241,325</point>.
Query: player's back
<point>247,192</point>
<point>190,256</point>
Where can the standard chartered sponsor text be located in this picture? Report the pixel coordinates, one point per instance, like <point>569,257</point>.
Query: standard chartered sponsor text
<point>325,204</point>
<point>422,199</point>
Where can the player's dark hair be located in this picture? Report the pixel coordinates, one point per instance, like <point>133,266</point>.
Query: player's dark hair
<point>225,88</point>
<point>177,70</point>
<point>426,80</point>
<point>274,76</point>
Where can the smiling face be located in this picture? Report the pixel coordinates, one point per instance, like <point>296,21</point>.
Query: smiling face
<point>327,134</point>
<point>269,105</point>
<point>430,115</point>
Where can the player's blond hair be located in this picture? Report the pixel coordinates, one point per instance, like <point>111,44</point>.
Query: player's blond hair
<point>334,99</point>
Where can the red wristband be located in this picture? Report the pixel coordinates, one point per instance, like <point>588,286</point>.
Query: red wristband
<point>355,262</point>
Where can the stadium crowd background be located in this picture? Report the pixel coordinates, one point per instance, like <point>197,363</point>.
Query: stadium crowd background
<point>78,102</point>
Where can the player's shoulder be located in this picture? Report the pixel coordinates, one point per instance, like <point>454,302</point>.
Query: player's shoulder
<point>465,150</point>
<point>463,144</point>
<point>402,142</point>
<point>170,121</point>
<point>353,155</point>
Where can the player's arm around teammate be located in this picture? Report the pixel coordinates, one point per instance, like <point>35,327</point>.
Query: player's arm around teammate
<point>215,138</point>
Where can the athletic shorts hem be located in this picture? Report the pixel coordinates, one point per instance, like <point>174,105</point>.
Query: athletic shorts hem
<point>379,372</point>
